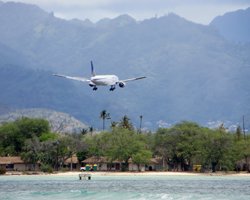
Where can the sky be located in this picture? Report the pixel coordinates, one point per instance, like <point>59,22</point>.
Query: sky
<point>199,11</point>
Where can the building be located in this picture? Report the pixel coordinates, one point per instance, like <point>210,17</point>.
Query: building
<point>103,164</point>
<point>15,163</point>
<point>153,165</point>
<point>72,163</point>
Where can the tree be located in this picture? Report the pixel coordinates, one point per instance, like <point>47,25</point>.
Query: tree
<point>114,124</point>
<point>238,133</point>
<point>70,145</point>
<point>140,123</point>
<point>243,152</point>
<point>31,151</point>
<point>32,127</point>
<point>163,145</point>
<point>48,136</point>
<point>125,123</point>
<point>82,154</point>
<point>48,154</point>
<point>84,131</point>
<point>219,148</point>
<point>181,146</point>
<point>190,144</point>
<point>124,144</point>
<point>120,144</point>
<point>141,157</point>
<point>15,134</point>
<point>104,115</point>
<point>98,144</point>
<point>11,141</point>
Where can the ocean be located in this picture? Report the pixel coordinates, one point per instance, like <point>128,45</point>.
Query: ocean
<point>124,187</point>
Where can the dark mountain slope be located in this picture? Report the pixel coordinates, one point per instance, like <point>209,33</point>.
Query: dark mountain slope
<point>234,26</point>
<point>26,88</point>
<point>10,56</point>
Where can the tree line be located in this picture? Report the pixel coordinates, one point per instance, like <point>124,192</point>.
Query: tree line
<point>180,147</point>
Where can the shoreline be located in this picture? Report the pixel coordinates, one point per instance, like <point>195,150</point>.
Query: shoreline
<point>108,173</point>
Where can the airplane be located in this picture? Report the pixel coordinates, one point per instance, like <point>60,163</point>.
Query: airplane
<point>101,80</point>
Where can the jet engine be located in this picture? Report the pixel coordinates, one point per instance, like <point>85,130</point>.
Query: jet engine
<point>91,84</point>
<point>122,84</point>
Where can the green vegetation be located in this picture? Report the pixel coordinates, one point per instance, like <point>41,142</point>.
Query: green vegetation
<point>180,147</point>
<point>2,170</point>
<point>187,144</point>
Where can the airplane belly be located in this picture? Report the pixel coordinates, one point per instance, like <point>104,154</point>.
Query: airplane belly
<point>100,83</point>
<point>104,82</point>
<point>109,80</point>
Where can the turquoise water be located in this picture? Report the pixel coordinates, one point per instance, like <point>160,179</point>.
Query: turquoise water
<point>124,187</point>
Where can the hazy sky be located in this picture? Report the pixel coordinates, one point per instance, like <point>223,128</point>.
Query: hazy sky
<point>200,11</point>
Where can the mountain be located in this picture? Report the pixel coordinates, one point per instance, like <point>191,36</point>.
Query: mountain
<point>27,88</point>
<point>234,26</point>
<point>118,22</point>
<point>193,73</point>
<point>59,122</point>
<point>4,109</point>
<point>10,56</point>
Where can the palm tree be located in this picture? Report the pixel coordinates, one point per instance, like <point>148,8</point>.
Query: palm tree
<point>114,124</point>
<point>140,123</point>
<point>104,115</point>
<point>91,129</point>
<point>125,123</point>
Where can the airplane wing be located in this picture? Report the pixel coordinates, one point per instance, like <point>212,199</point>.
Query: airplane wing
<point>133,79</point>
<point>73,78</point>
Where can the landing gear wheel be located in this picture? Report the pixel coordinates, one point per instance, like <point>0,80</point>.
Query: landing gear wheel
<point>112,88</point>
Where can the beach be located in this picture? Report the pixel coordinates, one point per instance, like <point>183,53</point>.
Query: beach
<point>152,174</point>
<point>128,173</point>
<point>110,173</point>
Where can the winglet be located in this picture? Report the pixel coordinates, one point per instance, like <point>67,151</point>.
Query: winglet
<point>92,68</point>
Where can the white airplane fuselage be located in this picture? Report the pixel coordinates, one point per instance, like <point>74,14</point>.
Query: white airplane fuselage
<point>104,80</point>
<point>101,80</point>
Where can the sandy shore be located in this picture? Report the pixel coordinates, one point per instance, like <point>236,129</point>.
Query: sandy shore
<point>76,173</point>
<point>127,173</point>
<point>150,174</point>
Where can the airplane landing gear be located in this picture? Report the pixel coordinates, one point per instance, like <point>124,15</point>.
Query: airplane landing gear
<point>112,88</point>
<point>95,88</point>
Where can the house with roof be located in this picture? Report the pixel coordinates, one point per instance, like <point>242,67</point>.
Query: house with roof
<point>104,164</point>
<point>72,163</point>
<point>155,164</point>
<point>15,163</point>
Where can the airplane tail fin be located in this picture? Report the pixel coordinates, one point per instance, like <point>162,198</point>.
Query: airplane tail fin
<point>92,69</point>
